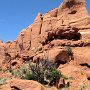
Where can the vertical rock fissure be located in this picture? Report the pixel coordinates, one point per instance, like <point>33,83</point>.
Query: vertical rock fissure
<point>40,28</point>
<point>30,38</point>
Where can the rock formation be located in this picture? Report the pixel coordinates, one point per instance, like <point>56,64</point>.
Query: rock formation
<point>47,38</point>
<point>58,27</point>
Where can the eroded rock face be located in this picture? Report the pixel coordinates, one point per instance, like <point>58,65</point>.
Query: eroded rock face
<point>76,74</point>
<point>72,10</point>
<point>58,55</point>
<point>2,53</point>
<point>47,38</point>
<point>59,23</point>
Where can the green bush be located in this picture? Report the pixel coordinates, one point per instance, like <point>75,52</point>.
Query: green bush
<point>29,76</point>
<point>42,72</point>
<point>10,70</point>
<point>21,72</point>
<point>4,80</point>
<point>69,51</point>
<point>38,71</point>
<point>53,76</point>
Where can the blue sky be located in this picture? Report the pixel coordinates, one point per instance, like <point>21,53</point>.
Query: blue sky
<point>16,15</point>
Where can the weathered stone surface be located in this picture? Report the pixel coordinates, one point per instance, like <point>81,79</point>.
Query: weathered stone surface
<point>72,9</point>
<point>2,53</point>
<point>18,84</point>
<point>46,38</point>
<point>54,88</point>
<point>71,43</point>
<point>57,27</point>
<point>25,85</point>
<point>24,40</point>
<point>81,55</point>
<point>58,55</point>
<point>49,26</point>
<point>77,75</point>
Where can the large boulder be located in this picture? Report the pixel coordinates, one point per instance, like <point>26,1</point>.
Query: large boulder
<point>58,55</point>
<point>25,85</point>
<point>81,56</point>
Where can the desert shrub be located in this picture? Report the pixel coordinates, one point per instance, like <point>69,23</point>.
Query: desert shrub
<point>16,73</point>
<point>10,70</point>
<point>29,76</point>
<point>45,72</point>
<point>38,71</point>
<point>4,80</point>
<point>69,51</point>
<point>39,49</point>
<point>1,69</point>
<point>84,87</point>
<point>53,76</point>
<point>21,72</point>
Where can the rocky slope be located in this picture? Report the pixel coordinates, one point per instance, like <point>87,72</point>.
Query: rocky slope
<point>48,36</point>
